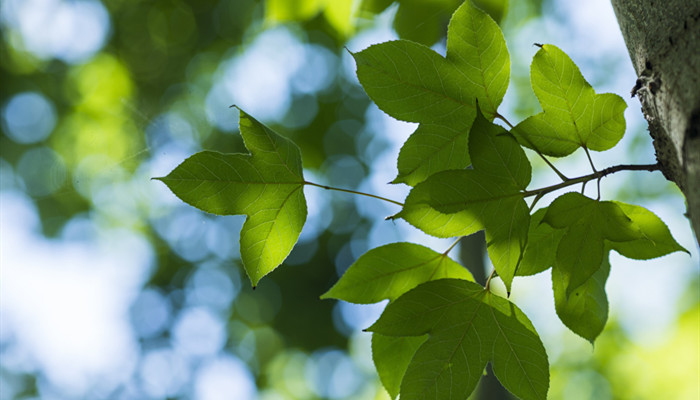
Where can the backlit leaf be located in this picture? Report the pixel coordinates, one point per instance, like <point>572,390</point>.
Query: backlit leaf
<point>573,114</point>
<point>490,197</point>
<point>391,356</point>
<point>430,149</point>
<point>656,240</point>
<point>468,326</point>
<point>413,83</point>
<point>266,185</point>
<point>585,310</point>
<point>541,249</point>
<point>588,223</point>
<point>391,270</point>
<point>476,45</point>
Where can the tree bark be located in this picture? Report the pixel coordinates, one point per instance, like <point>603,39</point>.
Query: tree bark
<point>663,39</point>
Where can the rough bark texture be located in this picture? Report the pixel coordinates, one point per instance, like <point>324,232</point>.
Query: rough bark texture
<point>663,39</point>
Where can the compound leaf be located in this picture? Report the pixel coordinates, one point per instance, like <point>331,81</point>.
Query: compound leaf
<point>468,326</point>
<point>656,240</point>
<point>573,114</point>
<point>391,270</point>
<point>585,310</point>
<point>266,185</point>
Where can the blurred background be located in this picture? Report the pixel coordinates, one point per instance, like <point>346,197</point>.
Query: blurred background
<point>111,288</point>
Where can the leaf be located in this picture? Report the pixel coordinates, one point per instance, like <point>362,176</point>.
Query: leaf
<point>391,270</point>
<point>490,197</point>
<point>391,356</point>
<point>476,45</point>
<point>266,185</point>
<point>431,148</point>
<point>413,83</point>
<point>656,240</point>
<point>585,310</point>
<point>423,21</point>
<point>587,222</point>
<point>573,114</point>
<point>468,326</point>
<point>541,249</point>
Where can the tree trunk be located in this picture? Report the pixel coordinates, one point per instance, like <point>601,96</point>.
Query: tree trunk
<point>663,39</point>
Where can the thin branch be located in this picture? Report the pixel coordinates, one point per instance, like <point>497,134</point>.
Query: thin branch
<point>354,192</point>
<point>589,177</point>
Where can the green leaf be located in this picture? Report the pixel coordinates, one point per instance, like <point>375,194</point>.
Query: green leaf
<point>411,23</point>
<point>490,197</point>
<point>585,310</point>
<point>432,148</point>
<point>495,8</point>
<point>573,114</point>
<point>656,240</point>
<point>391,270</point>
<point>391,357</point>
<point>266,185</point>
<point>476,45</point>
<point>587,222</point>
<point>468,326</point>
<point>542,243</point>
<point>413,83</point>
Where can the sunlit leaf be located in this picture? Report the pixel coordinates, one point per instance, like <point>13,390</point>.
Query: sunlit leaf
<point>573,114</point>
<point>490,197</point>
<point>476,45</point>
<point>585,310</point>
<point>391,270</point>
<point>656,240</point>
<point>588,223</point>
<point>468,326</point>
<point>541,249</point>
<point>391,356</point>
<point>266,185</point>
<point>432,148</point>
<point>413,83</point>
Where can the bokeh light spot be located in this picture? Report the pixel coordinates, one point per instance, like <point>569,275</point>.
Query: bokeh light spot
<point>28,117</point>
<point>42,170</point>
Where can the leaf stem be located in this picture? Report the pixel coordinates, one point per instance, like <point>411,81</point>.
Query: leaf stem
<point>502,118</point>
<point>354,192</point>
<point>549,163</point>
<point>488,281</point>
<point>452,246</point>
<point>596,175</point>
<point>590,160</point>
